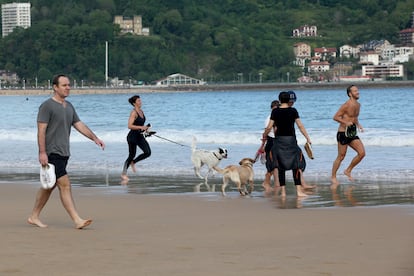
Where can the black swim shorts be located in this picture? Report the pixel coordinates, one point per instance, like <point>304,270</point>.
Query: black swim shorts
<point>343,140</point>
<point>60,163</point>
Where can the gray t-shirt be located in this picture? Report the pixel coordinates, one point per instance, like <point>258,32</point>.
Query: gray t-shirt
<point>59,120</point>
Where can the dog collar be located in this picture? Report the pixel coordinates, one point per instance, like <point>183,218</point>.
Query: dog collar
<point>216,156</point>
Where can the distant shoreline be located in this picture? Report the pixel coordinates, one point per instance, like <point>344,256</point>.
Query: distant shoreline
<point>213,87</point>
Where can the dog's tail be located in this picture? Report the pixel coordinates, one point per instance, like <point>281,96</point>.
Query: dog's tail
<point>193,144</point>
<point>220,170</point>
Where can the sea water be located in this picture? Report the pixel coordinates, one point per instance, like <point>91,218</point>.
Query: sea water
<point>230,119</point>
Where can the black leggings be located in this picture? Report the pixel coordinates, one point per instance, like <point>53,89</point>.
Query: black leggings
<point>282,177</point>
<point>140,142</point>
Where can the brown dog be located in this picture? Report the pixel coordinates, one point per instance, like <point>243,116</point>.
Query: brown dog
<point>240,175</point>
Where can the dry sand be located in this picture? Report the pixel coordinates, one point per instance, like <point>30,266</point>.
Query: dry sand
<point>194,235</point>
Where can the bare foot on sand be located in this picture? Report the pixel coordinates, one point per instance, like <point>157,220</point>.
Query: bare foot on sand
<point>132,165</point>
<point>280,190</point>
<point>299,192</point>
<point>334,181</point>
<point>36,222</point>
<point>334,186</point>
<point>268,189</point>
<point>306,186</point>
<point>348,174</point>
<point>82,224</point>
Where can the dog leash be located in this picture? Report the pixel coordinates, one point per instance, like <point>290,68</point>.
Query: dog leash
<point>148,133</point>
<point>169,140</point>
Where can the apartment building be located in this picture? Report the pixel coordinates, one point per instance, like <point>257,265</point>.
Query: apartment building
<point>407,36</point>
<point>383,71</point>
<point>131,25</point>
<point>15,15</point>
<point>397,54</point>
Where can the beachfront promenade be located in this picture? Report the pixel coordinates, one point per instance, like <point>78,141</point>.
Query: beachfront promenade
<point>210,87</point>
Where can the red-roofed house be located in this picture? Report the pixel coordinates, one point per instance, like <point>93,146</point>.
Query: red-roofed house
<point>325,53</point>
<point>322,66</point>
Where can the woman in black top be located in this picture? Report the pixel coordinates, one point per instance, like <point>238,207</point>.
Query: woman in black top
<point>286,153</point>
<point>135,138</point>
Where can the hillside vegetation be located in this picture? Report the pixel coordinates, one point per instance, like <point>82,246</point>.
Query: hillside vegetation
<point>213,40</point>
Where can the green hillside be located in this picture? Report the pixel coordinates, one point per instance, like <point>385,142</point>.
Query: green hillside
<point>213,40</point>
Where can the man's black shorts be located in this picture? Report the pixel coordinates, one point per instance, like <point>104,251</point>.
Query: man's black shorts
<point>60,163</point>
<point>343,140</point>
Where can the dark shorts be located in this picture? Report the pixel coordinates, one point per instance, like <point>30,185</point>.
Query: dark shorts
<point>60,163</point>
<point>343,140</point>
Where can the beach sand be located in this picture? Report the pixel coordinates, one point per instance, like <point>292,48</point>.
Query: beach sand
<point>183,234</point>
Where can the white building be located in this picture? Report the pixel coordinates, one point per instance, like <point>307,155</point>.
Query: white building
<point>325,53</point>
<point>302,53</point>
<point>15,15</point>
<point>397,54</point>
<point>179,80</point>
<point>348,51</point>
<point>304,31</point>
<point>370,58</point>
<point>318,67</point>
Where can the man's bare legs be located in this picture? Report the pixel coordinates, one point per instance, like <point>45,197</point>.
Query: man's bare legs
<point>342,149</point>
<point>65,192</point>
<point>341,155</point>
<point>359,148</point>
<point>41,198</point>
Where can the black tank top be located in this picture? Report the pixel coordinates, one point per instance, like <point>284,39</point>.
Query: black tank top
<point>139,121</point>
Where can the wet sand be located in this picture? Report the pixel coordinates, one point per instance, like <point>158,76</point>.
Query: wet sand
<point>190,234</point>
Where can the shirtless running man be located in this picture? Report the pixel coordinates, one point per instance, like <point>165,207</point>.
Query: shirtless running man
<point>346,116</point>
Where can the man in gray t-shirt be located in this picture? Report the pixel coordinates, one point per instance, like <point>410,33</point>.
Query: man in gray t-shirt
<point>54,122</point>
<point>59,120</point>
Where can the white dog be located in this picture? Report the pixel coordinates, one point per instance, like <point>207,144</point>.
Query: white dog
<point>204,157</point>
<point>240,175</point>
